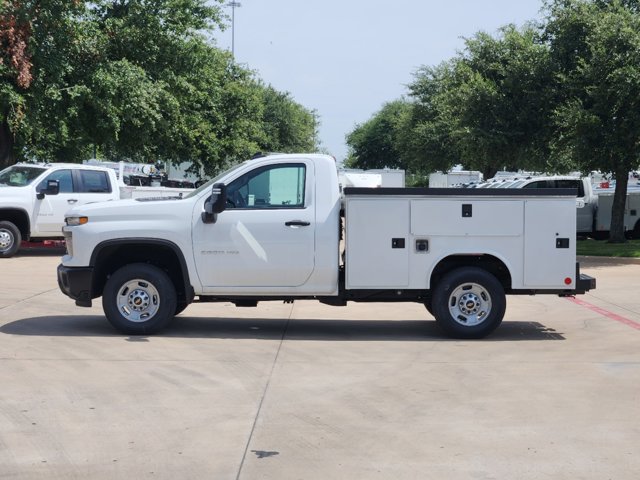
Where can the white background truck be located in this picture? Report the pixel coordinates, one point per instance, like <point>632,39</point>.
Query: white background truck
<point>270,229</point>
<point>593,207</point>
<point>35,197</point>
<point>631,213</point>
<point>586,200</point>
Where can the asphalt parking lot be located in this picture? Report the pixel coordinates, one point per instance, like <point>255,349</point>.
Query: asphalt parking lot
<point>307,391</point>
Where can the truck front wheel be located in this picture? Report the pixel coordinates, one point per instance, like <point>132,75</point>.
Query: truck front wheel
<point>469,303</point>
<point>139,299</point>
<point>10,239</point>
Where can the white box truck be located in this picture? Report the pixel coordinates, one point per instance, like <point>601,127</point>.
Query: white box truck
<point>270,229</point>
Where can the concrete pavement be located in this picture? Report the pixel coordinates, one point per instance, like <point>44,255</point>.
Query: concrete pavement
<point>315,392</point>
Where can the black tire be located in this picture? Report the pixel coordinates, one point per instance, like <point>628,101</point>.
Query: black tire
<point>469,303</point>
<point>180,307</point>
<point>10,239</point>
<point>139,299</point>
<point>428,304</point>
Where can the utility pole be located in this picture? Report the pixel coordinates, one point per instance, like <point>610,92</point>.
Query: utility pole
<point>233,6</point>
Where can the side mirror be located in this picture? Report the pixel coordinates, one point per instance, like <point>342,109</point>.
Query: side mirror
<point>52,188</point>
<point>215,204</point>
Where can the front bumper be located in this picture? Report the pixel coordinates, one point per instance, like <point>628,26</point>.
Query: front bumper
<point>76,283</point>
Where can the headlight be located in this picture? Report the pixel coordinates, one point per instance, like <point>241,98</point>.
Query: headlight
<point>75,221</point>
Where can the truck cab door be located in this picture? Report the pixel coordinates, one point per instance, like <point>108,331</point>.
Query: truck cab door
<point>76,187</point>
<point>49,210</point>
<point>265,238</point>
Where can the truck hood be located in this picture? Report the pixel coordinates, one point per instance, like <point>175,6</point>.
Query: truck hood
<point>6,190</point>
<point>12,196</point>
<point>132,209</point>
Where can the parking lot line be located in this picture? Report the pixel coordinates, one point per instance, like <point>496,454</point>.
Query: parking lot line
<point>605,313</point>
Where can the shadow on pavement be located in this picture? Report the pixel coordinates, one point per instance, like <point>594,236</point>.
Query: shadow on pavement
<point>40,252</point>
<point>273,329</point>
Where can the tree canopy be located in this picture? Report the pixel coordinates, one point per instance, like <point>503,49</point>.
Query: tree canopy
<point>595,47</point>
<point>481,109</point>
<point>556,96</point>
<point>136,80</point>
<point>375,143</point>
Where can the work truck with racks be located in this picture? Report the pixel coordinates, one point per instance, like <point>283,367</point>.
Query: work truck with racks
<point>278,228</point>
<point>34,198</point>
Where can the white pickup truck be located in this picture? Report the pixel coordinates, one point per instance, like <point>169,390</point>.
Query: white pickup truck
<point>593,208</point>
<point>270,229</point>
<point>586,200</point>
<point>35,197</point>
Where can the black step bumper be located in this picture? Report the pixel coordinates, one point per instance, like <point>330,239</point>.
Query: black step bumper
<point>75,283</point>
<point>585,283</point>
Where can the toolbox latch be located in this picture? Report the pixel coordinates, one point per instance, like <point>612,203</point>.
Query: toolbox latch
<point>397,243</point>
<point>467,210</point>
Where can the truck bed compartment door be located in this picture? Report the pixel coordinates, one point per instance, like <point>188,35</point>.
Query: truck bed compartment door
<point>550,243</point>
<point>378,243</point>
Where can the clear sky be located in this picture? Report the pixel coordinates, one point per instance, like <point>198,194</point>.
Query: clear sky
<point>346,58</point>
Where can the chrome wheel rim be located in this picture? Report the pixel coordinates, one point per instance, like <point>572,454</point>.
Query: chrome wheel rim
<point>6,240</point>
<point>138,300</point>
<point>470,304</point>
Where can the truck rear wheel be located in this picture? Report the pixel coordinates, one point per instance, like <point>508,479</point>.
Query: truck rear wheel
<point>469,303</point>
<point>10,239</point>
<point>139,299</point>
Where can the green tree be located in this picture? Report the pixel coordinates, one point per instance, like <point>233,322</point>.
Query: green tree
<point>426,137</point>
<point>41,47</point>
<point>137,80</point>
<point>596,49</point>
<point>288,126</point>
<point>96,73</point>
<point>487,108</point>
<point>160,91</point>
<point>376,143</point>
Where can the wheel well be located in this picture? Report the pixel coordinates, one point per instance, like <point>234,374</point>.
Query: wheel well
<point>19,218</point>
<point>491,264</point>
<point>111,257</point>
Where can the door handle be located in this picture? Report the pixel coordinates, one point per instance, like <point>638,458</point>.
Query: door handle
<point>297,223</point>
<point>72,200</point>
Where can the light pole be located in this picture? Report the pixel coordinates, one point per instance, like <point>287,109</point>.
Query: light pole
<point>233,6</point>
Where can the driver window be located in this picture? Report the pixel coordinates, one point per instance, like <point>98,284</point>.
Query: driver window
<point>271,187</point>
<point>64,178</point>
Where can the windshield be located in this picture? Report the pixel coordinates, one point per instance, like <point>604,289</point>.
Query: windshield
<point>207,186</point>
<point>19,176</point>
